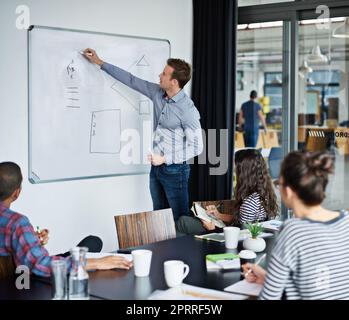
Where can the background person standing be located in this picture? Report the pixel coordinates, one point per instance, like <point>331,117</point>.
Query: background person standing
<point>252,113</point>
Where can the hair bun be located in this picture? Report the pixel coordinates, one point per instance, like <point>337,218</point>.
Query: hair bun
<point>320,163</point>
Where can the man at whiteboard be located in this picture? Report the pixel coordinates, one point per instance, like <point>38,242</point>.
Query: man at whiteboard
<point>177,136</point>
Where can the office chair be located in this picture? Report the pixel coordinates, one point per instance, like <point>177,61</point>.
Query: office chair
<point>274,162</point>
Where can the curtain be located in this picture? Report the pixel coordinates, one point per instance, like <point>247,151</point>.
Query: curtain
<point>213,92</point>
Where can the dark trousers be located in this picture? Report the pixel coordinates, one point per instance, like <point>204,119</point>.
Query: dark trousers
<point>93,243</point>
<point>251,138</point>
<point>169,188</point>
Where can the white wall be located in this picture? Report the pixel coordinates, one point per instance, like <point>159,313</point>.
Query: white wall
<point>74,209</point>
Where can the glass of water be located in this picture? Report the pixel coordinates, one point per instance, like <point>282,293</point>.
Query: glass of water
<point>78,279</point>
<point>59,279</point>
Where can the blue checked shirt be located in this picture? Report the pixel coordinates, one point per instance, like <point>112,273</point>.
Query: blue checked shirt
<point>19,240</point>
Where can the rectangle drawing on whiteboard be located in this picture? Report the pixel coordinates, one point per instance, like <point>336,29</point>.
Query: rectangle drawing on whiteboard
<point>105,131</point>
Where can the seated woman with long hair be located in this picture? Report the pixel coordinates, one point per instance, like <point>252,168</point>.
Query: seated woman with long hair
<point>311,257</point>
<point>255,198</point>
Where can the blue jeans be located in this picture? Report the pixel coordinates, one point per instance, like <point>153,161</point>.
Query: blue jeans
<point>251,138</point>
<point>169,188</point>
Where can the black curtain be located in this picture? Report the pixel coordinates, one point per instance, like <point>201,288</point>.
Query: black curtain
<point>213,91</point>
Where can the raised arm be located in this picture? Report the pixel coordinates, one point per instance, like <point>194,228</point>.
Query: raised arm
<point>144,87</point>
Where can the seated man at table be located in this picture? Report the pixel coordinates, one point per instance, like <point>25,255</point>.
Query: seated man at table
<point>19,240</point>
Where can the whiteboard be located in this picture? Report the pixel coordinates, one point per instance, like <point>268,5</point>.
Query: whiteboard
<point>82,122</point>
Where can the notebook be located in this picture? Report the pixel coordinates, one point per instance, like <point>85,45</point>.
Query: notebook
<point>274,225</point>
<point>224,261</point>
<point>188,292</point>
<point>245,287</point>
<point>201,213</point>
<point>219,237</point>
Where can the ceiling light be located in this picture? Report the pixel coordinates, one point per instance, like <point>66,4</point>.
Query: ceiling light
<point>276,80</point>
<point>316,56</point>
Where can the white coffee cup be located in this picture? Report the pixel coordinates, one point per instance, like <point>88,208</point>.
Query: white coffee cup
<point>175,272</point>
<point>141,262</point>
<point>231,236</point>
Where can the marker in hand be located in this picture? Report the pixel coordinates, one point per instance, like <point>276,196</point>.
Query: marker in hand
<point>257,263</point>
<point>85,53</point>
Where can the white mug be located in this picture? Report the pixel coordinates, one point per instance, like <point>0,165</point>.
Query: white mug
<point>231,236</point>
<point>141,262</point>
<point>175,272</point>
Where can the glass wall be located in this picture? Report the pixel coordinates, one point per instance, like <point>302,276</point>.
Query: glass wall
<point>260,68</point>
<point>322,104</point>
<point>323,109</point>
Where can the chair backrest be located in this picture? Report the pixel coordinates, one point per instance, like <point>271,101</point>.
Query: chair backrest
<point>7,267</point>
<point>274,162</point>
<point>141,228</point>
<point>223,206</point>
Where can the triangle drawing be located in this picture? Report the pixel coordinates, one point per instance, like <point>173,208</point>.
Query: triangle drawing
<point>142,62</point>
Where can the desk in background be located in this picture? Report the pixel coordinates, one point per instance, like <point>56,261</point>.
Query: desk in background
<point>265,140</point>
<point>316,138</point>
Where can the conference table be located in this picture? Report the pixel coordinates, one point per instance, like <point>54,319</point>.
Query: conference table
<point>123,285</point>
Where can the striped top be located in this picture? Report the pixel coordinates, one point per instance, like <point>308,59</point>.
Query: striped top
<point>251,209</point>
<point>310,260</point>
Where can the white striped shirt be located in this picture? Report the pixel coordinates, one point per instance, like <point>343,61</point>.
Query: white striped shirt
<point>251,209</point>
<point>310,260</point>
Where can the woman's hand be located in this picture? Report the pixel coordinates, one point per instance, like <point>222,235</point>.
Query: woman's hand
<point>208,225</point>
<point>257,273</point>
<point>212,210</point>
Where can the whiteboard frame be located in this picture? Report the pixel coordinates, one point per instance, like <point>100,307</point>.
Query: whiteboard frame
<point>32,177</point>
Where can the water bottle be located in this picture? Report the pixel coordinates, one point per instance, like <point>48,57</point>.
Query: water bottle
<point>78,279</point>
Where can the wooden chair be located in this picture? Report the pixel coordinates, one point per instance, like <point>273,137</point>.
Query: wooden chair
<point>142,228</point>
<point>317,140</point>
<point>7,267</point>
<point>223,206</point>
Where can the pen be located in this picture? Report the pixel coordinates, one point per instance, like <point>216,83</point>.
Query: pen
<point>87,53</point>
<point>124,251</point>
<point>257,263</point>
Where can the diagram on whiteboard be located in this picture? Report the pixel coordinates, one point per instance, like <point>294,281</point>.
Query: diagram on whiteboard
<point>105,131</point>
<point>83,123</point>
<point>128,94</point>
<point>72,86</point>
